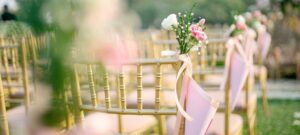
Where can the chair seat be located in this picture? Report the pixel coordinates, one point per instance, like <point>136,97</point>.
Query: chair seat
<point>18,92</point>
<point>212,80</point>
<point>209,71</point>
<point>241,102</point>
<point>216,127</point>
<point>107,124</point>
<point>5,84</point>
<point>14,73</point>
<point>94,123</point>
<point>148,98</point>
<point>17,120</point>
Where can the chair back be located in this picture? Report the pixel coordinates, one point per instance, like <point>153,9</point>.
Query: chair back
<point>14,67</point>
<point>118,104</point>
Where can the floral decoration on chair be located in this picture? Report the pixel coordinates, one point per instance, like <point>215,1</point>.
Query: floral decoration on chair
<point>238,27</point>
<point>196,109</point>
<point>188,34</point>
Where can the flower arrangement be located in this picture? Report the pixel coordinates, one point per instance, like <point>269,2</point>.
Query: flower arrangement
<point>188,33</point>
<point>256,20</point>
<point>238,27</point>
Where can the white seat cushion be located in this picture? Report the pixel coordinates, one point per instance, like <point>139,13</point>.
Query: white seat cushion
<point>216,127</point>
<point>107,124</point>
<point>241,102</point>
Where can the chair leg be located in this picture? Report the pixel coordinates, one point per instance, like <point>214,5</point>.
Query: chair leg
<point>263,87</point>
<point>120,121</point>
<point>251,120</point>
<point>251,124</point>
<point>162,124</point>
<point>3,115</point>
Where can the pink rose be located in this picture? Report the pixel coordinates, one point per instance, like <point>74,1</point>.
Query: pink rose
<point>193,28</point>
<point>197,32</point>
<point>201,36</point>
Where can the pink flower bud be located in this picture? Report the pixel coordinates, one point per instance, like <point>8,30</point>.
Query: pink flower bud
<point>202,21</point>
<point>257,13</point>
<point>241,26</point>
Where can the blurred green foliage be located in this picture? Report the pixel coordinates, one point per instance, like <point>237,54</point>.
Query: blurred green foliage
<point>152,12</point>
<point>33,12</point>
<point>29,12</point>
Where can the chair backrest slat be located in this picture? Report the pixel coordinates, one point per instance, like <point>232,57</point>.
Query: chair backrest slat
<point>158,82</point>
<point>107,90</point>
<point>92,84</point>
<point>139,88</point>
<point>6,64</point>
<point>25,74</point>
<point>76,94</point>
<point>122,91</point>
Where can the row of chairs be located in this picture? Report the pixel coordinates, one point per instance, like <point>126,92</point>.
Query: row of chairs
<point>208,59</point>
<point>122,96</point>
<point>18,60</point>
<point>139,98</point>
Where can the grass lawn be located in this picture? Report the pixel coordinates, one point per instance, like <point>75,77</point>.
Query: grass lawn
<point>280,119</point>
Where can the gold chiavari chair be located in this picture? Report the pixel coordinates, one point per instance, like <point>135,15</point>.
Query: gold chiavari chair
<point>233,123</point>
<point>261,73</point>
<point>14,70</point>
<point>114,110</point>
<point>246,102</point>
<point>3,114</point>
<point>225,122</point>
<point>218,126</point>
<point>38,49</point>
<point>210,62</point>
<point>206,72</point>
<point>14,85</point>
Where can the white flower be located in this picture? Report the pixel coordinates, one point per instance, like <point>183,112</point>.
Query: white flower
<point>259,27</point>
<point>240,19</point>
<point>169,22</point>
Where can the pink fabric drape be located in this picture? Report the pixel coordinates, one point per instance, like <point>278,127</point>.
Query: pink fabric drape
<point>236,64</point>
<point>200,107</point>
<point>264,43</point>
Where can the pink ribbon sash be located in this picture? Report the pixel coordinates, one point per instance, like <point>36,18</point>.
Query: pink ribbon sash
<point>237,65</point>
<point>199,107</point>
<point>265,44</point>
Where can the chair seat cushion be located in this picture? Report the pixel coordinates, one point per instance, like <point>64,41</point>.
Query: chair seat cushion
<point>148,98</point>
<point>107,124</point>
<point>216,127</point>
<point>16,120</point>
<point>241,102</point>
<point>94,123</point>
<point>213,79</point>
<point>18,92</point>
